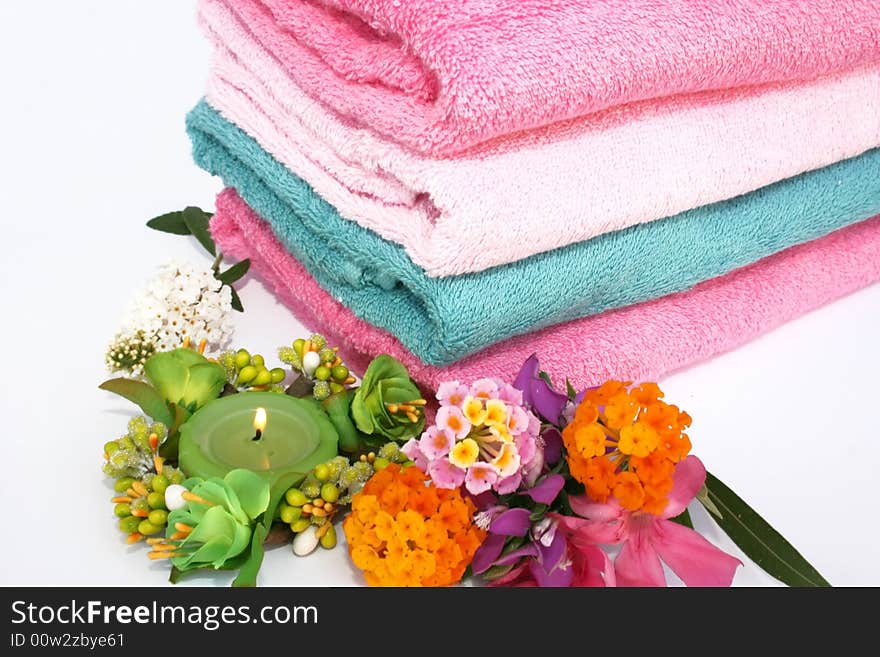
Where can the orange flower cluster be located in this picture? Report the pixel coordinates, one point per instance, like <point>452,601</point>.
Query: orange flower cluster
<point>625,442</point>
<point>403,531</point>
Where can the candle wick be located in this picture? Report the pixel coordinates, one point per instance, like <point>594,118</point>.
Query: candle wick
<point>258,435</point>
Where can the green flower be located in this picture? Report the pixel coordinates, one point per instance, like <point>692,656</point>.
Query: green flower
<point>221,526</point>
<point>185,377</point>
<point>388,403</point>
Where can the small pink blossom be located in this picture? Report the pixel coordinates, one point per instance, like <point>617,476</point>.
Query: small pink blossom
<point>518,419</point>
<point>534,467</point>
<point>527,446</point>
<point>484,389</point>
<point>453,420</point>
<point>510,395</point>
<point>436,442</point>
<point>413,452</point>
<point>509,484</point>
<point>479,478</point>
<point>451,393</point>
<point>534,425</point>
<point>444,474</point>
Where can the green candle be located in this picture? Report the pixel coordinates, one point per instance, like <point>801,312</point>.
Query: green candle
<point>288,437</point>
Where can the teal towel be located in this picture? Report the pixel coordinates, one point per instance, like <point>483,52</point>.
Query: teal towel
<point>442,320</point>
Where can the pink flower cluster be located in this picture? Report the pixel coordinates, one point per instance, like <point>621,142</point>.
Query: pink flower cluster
<point>482,437</point>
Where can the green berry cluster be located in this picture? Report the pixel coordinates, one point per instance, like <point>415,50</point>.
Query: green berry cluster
<point>318,363</point>
<point>133,454</point>
<point>247,372</point>
<point>328,487</point>
<point>140,503</point>
<point>128,353</point>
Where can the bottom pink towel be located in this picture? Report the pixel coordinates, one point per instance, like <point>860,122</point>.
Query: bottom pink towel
<point>641,342</point>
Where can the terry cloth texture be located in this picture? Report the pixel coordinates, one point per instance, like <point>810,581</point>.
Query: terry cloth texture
<point>442,75</point>
<point>444,319</point>
<point>546,188</point>
<point>638,343</point>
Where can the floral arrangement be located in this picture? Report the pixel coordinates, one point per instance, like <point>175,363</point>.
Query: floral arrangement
<point>511,483</point>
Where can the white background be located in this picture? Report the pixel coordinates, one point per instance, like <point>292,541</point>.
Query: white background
<point>93,145</point>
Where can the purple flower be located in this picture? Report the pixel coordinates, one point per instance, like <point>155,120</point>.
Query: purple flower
<point>547,557</point>
<point>546,491</point>
<point>537,393</point>
<point>552,445</point>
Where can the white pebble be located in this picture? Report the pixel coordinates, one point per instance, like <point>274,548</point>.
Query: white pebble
<point>310,362</point>
<point>174,497</point>
<point>306,541</point>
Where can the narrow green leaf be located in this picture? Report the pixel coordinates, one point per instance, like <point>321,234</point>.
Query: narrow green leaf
<point>250,567</point>
<point>247,576</point>
<point>758,540</point>
<point>495,572</point>
<point>570,391</point>
<point>171,222</point>
<point>235,272</point>
<point>142,394</point>
<point>169,448</point>
<point>236,300</point>
<point>543,375</point>
<point>196,220</point>
<point>175,575</point>
<point>181,415</point>
<point>684,518</point>
<point>538,512</point>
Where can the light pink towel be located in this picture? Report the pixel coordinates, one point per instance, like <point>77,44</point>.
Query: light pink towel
<point>443,75</point>
<point>641,342</point>
<point>549,187</point>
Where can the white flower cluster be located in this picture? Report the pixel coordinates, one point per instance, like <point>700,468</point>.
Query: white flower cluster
<point>181,302</point>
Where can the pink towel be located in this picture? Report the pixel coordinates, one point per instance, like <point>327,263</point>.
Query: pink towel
<point>641,342</point>
<point>443,75</point>
<point>549,187</point>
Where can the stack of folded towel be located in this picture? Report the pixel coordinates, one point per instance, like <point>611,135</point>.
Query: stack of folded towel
<point>623,188</point>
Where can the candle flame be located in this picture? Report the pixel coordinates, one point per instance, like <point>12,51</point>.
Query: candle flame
<point>260,419</point>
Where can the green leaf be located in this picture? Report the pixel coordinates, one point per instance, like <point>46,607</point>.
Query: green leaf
<point>338,409</point>
<point>181,415</point>
<point>758,540</point>
<point>169,449</point>
<point>252,491</point>
<point>495,572</point>
<point>247,576</point>
<point>235,272</point>
<point>171,222</point>
<point>175,575</point>
<point>572,393</point>
<point>538,512</point>
<point>196,220</point>
<point>234,563</point>
<point>684,518</point>
<point>142,394</point>
<point>236,300</point>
